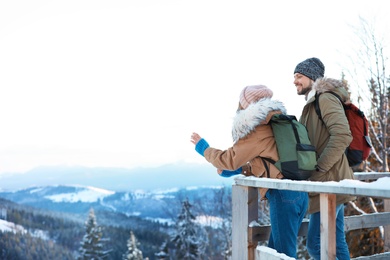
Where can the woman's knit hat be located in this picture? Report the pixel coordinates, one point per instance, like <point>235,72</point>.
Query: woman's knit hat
<point>252,94</point>
<point>312,68</point>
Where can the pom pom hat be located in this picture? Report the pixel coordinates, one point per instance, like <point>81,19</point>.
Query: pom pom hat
<point>312,68</point>
<point>252,94</point>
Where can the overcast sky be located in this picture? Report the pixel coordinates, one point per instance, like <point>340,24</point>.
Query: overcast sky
<point>125,83</point>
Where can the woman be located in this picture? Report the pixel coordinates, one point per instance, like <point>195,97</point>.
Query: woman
<point>253,138</point>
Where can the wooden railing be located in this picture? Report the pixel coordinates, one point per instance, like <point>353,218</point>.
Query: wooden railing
<point>246,233</point>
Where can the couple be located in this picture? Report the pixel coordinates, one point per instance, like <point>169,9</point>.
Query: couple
<point>253,138</point>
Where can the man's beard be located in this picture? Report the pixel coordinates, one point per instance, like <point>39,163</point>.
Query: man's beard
<point>305,90</point>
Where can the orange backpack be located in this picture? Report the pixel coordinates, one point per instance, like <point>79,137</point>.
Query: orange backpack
<point>360,147</point>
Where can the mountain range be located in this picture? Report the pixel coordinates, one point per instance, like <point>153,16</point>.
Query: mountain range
<point>49,205</point>
<point>161,206</point>
<point>150,193</point>
<point>179,175</point>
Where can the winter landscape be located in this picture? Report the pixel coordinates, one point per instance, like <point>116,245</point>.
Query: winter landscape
<point>53,219</point>
<point>98,100</point>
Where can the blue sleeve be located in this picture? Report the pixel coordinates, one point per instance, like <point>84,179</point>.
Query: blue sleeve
<point>226,173</point>
<point>201,146</point>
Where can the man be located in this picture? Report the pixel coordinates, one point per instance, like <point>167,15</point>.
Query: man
<point>330,138</point>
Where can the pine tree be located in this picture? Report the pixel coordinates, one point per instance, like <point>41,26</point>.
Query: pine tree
<point>163,254</point>
<point>185,239</point>
<point>91,246</point>
<point>132,253</point>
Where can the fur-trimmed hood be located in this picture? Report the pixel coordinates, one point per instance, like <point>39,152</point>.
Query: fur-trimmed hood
<point>255,114</point>
<point>325,84</point>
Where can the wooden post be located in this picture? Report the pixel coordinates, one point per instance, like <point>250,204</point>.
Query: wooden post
<point>386,228</point>
<point>245,210</point>
<point>328,226</point>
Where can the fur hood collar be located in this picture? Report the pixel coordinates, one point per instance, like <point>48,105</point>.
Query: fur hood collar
<point>255,114</point>
<point>323,85</point>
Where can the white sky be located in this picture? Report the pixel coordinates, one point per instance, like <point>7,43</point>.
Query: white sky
<point>125,83</point>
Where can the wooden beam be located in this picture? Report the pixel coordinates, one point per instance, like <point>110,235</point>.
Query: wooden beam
<point>382,256</point>
<point>261,233</point>
<point>328,226</point>
<point>365,176</point>
<point>387,227</point>
<point>245,210</point>
<point>366,221</point>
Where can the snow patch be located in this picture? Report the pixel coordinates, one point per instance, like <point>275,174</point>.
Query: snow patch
<point>135,213</point>
<point>267,252</point>
<point>6,226</point>
<point>199,187</point>
<point>169,222</point>
<point>254,224</point>
<point>126,197</point>
<point>87,194</point>
<point>36,190</point>
<point>192,188</point>
<point>172,190</point>
<point>41,234</point>
<point>162,196</point>
<point>210,221</point>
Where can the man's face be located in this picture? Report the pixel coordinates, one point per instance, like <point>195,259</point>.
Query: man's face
<point>302,83</point>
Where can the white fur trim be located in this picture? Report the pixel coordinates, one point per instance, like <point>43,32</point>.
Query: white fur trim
<point>246,120</point>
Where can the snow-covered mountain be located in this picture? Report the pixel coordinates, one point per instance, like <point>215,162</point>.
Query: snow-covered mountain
<point>159,204</point>
<point>180,175</point>
<point>80,194</point>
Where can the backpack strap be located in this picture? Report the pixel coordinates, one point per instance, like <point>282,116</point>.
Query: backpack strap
<point>266,166</point>
<point>317,107</point>
<point>317,103</point>
<point>290,120</point>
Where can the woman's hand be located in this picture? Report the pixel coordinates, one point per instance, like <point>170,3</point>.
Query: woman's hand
<point>195,138</point>
<point>200,144</point>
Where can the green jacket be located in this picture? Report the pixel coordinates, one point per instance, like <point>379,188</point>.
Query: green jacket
<point>330,139</point>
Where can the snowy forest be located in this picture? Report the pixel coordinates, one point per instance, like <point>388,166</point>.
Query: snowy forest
<point>192,234</point>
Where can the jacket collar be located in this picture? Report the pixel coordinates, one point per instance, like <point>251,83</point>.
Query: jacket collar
<point>245,121</point>
<point>323,85</point>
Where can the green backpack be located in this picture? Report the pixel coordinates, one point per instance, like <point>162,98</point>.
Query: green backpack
<point>297,156</point>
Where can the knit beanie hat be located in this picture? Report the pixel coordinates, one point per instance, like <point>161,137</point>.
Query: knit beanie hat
<point>312,68</point>
<point>252,94</point>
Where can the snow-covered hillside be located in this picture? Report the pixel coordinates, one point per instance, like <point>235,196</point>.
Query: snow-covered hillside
<point>6,226</point>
